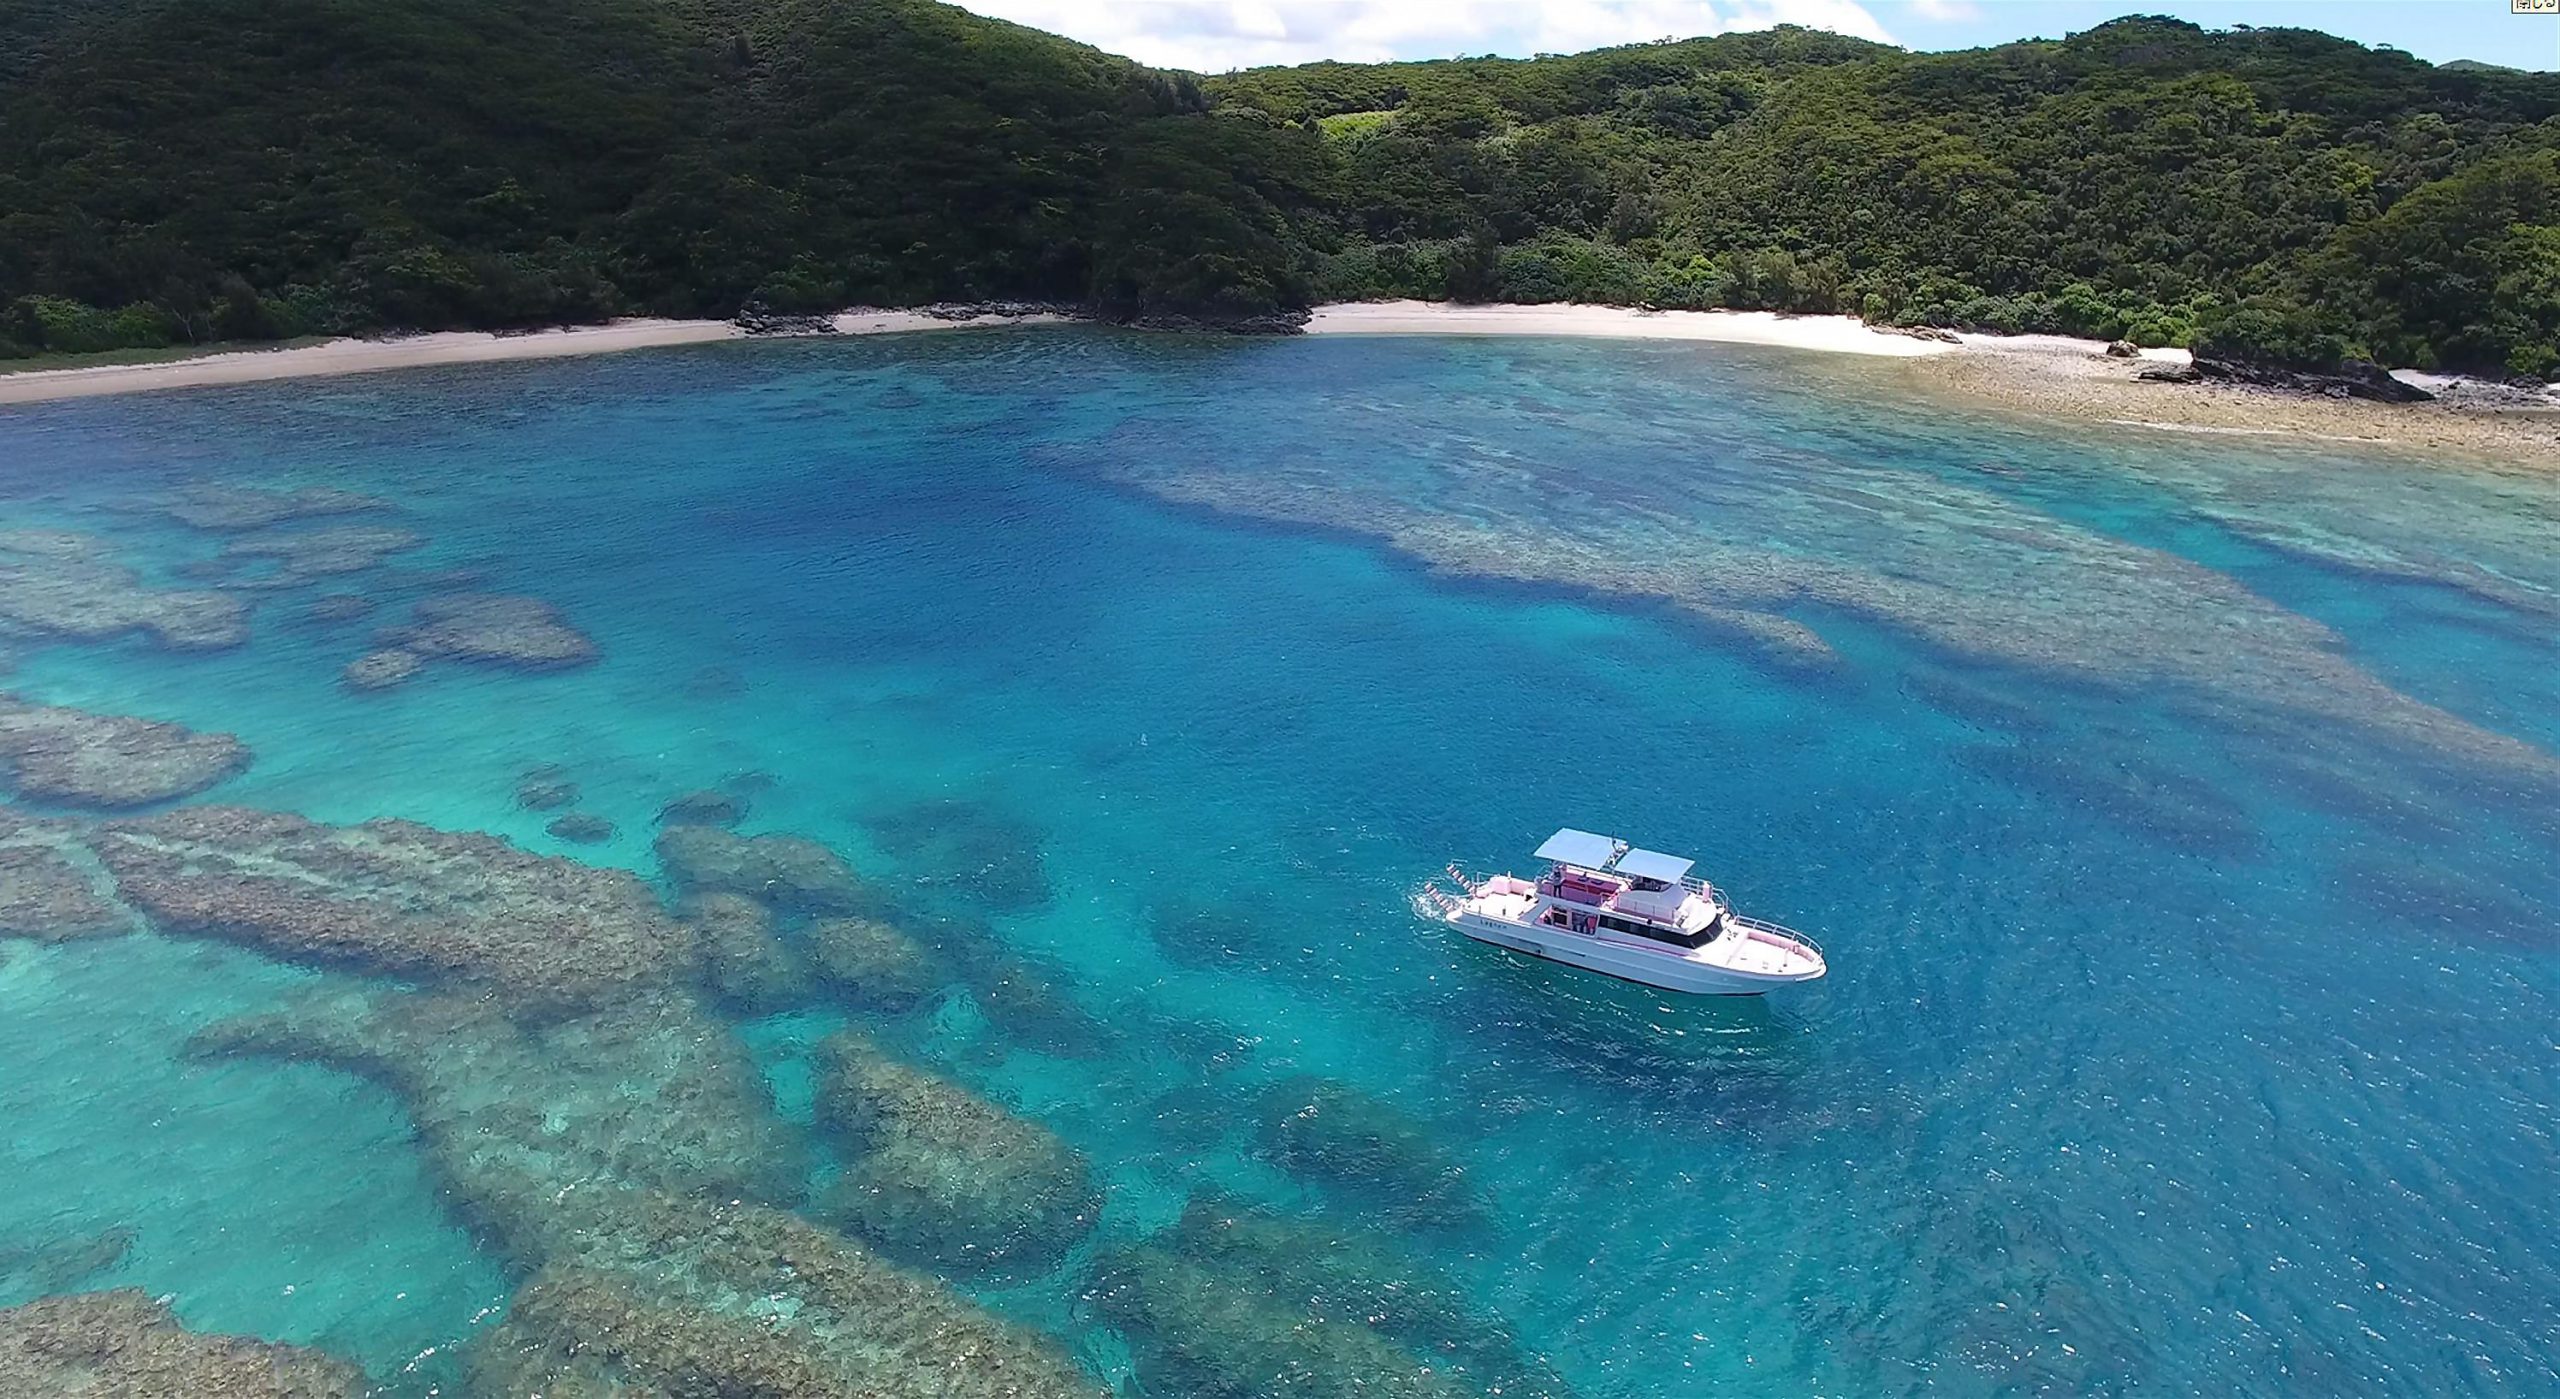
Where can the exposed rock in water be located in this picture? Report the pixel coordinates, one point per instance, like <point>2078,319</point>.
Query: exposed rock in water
<point>395,898</point>
<point>219,507</point>
<point>617,1156</point>
<point>339,607</point>
<point>124,1345</point>
<point>51,888</point>
<point>109,760</point>
<point>941,1175</point>
<point>337,549</point>
<point>493,629</point>
<point>704,808</point>
<point>1213,1333</point>
<point>791,873</point>
<point>64,585</point>
<point>872,962</point>
<point>380,670</point>
<point>1339,1136</point>
<point>581,828</point>
<point>975,849</point>
<point>2351,379</point>
<point>744,962</point>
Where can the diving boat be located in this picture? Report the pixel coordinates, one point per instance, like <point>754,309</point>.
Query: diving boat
<point>1636,914</point>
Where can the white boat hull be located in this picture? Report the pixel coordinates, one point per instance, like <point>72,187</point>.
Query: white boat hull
<point>1667,968</point>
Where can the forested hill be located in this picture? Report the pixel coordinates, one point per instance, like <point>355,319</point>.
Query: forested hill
<point>175,170</point>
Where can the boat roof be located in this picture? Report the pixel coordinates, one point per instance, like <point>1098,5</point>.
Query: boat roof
<point>1572,847</point>
<point>1653,864</point>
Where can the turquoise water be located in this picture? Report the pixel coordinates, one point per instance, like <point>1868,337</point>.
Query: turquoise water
<point>2178,814</point>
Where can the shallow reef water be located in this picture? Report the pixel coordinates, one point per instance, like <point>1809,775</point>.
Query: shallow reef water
<point>890,866</point>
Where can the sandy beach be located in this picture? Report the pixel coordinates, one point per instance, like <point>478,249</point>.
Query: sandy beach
<point>2041,376</point>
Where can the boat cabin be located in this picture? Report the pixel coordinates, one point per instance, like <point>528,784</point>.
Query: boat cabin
<point>1600,883</point>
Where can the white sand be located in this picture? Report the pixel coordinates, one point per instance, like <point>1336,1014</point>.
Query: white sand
<point>1841,334</point>
<point>356,357</point>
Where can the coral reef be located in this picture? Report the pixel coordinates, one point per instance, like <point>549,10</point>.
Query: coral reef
<point>942,1175</point>
<point>1214,1333</point>
<point>710,807</point>
<point>973,849</point>
<point>397,898</point>
<point>680,1299</point>
<point>107,760</point>
<point>380,670</point>
<point>1339,1272</point>
<point>338,607</point>
<point>64,585</point>
<point>581,828</point>
<point>743,962</point>
<point>124,1345</point>
<point>618,1156</point>
<point>301,554</point>
<point>492,629</point>
<point>1338,1136</point>
<point>791,873</point>
<point>50,887</point>
<point>211,506</point>
<point>873,962</point>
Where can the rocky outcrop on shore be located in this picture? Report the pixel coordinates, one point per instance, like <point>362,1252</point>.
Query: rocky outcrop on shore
<point>125,1345</point>
<point>394,898</point>
<point>2353,378</point>
<point>77,758</point>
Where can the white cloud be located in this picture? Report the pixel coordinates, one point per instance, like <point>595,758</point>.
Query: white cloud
<point>1212,36</point>
<point>1946,11</point>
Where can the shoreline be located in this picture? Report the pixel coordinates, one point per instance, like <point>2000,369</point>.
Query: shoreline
<point>2053,378</point>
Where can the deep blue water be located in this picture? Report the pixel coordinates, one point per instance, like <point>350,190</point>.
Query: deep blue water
<point>2178,814</point>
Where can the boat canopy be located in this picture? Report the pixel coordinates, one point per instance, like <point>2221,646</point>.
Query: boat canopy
<point>1653,864</point>
<point>1573,847</point>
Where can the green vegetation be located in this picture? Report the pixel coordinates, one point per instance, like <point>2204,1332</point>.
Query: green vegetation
<point>181,172</point>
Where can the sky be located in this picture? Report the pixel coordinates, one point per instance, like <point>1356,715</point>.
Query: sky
<point>1212,36</point>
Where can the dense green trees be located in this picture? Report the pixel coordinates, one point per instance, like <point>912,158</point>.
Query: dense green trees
<point>175,172</point>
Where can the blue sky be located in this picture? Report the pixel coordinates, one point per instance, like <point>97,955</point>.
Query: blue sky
<point>1215,35</point>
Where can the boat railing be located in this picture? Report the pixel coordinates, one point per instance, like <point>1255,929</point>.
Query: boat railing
<point>1778,931</point>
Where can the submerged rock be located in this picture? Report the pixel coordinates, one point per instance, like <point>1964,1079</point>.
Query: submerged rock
<point>222,507</point>
<point>743,961</point>
<point>942,1175</point>
<point>61,1264</point>
<point>64,585</point>
<point>873,962</point>
<point>791,873</point>
<point>109,760</point>
<point>339,607</point>
<point>380,670</point>
<point>1337,1135</point>
<point>314,553</point>
<point>1215,1333</point>
<point>398,899</point>
<point>581,828</point>
<point>709,807</point>
<point>972,848</point>
<point>544,792</point>
<point>51,890</point>
<point>1342,1273</point>
<point>493,629</point>
<point>124,1345</point>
